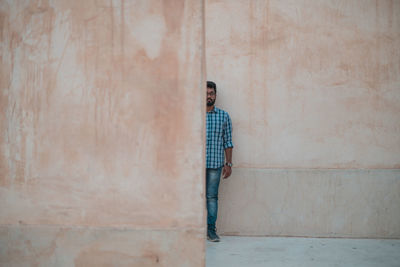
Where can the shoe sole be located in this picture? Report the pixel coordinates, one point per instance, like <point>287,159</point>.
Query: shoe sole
<point>212,240</point>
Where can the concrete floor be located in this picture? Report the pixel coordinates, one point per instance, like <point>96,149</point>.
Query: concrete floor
<point>235,251</point>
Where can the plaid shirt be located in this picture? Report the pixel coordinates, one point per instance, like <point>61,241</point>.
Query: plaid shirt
<point>219,137</point>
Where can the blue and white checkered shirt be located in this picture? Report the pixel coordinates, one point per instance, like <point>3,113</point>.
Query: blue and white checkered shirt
<point>219,137</point>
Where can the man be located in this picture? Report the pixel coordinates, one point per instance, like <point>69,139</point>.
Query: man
<point>219,141</point>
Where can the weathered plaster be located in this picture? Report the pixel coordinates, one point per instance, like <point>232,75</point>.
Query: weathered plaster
<point>91,246</point>
<point>101,114</point>
<point>312,203</point>
<point>309,86</point>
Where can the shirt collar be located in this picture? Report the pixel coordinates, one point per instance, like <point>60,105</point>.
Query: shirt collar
<point>214,110</point>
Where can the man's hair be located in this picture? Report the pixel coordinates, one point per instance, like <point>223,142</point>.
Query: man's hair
<point>212,85</point>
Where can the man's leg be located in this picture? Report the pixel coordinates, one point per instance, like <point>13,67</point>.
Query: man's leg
<point>212,184</point>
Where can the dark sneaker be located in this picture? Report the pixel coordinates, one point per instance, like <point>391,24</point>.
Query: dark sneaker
<point>212,236</point>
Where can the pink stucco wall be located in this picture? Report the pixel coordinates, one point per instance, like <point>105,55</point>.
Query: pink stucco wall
<point>101,123</point>
<point>313,89</point>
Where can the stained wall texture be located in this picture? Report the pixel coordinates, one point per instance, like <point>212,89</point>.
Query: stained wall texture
<point>101,133</point>
<point>313,89</point>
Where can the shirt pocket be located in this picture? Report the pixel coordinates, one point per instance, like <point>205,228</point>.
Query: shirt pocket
<point>219,130</point>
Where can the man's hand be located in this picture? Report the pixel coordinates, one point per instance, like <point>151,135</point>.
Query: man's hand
<point>226,172</point>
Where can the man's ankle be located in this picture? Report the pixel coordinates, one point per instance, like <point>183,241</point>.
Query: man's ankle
<point>212,235</point>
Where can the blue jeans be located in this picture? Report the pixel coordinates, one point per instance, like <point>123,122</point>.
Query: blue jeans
<point>212,184</point>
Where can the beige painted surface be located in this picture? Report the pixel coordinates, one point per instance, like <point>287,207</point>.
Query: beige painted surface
<point>309,85</point>
<point>101,122</point>
<point>75,246</point>
<point>313,203</point>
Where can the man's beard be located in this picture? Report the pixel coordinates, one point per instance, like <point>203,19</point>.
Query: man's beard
<point>210,102</point>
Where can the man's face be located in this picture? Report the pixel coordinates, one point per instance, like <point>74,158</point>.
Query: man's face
<point>211,96</point>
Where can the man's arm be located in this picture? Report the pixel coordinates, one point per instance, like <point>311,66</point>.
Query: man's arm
<point>228,154</point>
<point>227,171</point>
<point>228,145</point>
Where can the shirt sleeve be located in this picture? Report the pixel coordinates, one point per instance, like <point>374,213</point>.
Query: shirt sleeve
<point>228,133</point>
